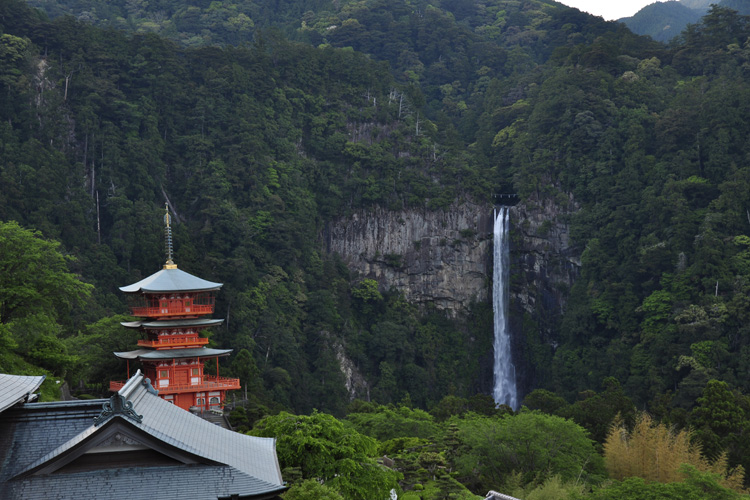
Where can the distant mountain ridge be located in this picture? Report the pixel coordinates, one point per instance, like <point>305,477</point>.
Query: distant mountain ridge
<point>663,21</point>
<point>697,4</point>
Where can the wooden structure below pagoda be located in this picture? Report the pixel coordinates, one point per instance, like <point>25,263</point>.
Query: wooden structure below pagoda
<point>173,307</point>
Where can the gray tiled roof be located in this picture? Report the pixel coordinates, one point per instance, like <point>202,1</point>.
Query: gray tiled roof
<point>193,352</point>
<point>16,388</point>
<point>249,454</point>
<point>172,323</point>
<point>494,495</point>
<point>171,280</point>
<point>30,431</point>
<point>33,436</point>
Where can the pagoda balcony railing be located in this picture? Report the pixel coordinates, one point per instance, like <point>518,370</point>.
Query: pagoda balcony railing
<point>172,309</point>
<point>208,383</point>
<point>167,342</point>
<point>116,385</point>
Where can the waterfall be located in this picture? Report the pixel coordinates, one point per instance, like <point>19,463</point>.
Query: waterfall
<point>504,391</point>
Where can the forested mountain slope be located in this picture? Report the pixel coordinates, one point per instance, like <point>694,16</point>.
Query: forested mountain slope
<point>640,148</point>
<point>654,155</point>
<point>252,148</point>
<point>255,147</point>
<point>234,22</point>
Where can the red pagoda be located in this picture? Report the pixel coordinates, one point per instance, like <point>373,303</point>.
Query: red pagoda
<point>173,307</point>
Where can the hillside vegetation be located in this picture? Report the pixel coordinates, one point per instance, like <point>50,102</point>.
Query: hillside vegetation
<point>258,132</point>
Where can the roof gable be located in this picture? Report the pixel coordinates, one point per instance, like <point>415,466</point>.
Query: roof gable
<point>116,435</point>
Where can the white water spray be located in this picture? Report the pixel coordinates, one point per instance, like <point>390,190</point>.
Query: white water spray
<point>504,391</point>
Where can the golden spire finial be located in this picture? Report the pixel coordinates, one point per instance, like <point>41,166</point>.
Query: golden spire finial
<point>168,233</point>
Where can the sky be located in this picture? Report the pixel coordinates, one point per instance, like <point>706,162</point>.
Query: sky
<point>609,9</point>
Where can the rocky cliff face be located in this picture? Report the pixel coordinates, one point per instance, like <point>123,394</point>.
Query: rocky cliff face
<point>546,260</point>
<point>545,264</point>
<point>441,258</point>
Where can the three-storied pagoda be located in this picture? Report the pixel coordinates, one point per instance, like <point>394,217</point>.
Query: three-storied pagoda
<point>173,307</point>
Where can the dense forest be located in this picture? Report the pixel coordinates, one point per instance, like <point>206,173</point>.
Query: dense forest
<point>257,124</point>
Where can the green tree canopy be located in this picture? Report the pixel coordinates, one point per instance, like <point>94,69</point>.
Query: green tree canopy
<point>322,448</point>
<point>720,423</point>
<point>387,422</point>
<point>530,443</point>
<point>311,489</point>
<point>34,276</point>
<point>37,293</point>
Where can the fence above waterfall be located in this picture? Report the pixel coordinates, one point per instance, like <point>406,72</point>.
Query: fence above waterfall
<point>506,199</point>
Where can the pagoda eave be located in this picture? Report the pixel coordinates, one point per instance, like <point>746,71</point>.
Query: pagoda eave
<point>168,354</point>
<point>169,281</point>
<point>173,323</point>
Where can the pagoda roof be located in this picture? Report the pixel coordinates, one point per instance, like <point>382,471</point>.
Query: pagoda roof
<point>192,352</point>
<point>171,280</point>
<point>17,388</point>
<point>46,451</point>
<point>176,323</point>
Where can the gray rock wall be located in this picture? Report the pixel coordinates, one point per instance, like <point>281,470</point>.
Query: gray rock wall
<point>545,260</point>
<point>545,264</point>
<point>441,258</point>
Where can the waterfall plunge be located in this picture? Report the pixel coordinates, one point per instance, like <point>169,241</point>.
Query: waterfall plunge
<point>504,391</point>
